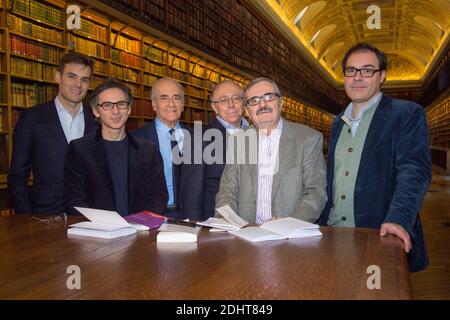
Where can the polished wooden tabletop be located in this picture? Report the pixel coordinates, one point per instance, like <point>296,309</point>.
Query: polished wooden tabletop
<point>35,256</point>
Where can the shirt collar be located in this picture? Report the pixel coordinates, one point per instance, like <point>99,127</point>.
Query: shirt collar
<point>230,128</point>
<point>60,108</point>
<point>279,127</point>
<point>349,110</point>
<point>163,127</point>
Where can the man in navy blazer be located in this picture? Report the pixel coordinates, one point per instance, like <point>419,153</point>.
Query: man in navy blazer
<point>168,134</point>
<point>379,164</point>
<point>109,169</point>
<point>42,135</point>
<point>227,102</point>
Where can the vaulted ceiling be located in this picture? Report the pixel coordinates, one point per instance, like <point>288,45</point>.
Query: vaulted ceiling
<point>413,33</point>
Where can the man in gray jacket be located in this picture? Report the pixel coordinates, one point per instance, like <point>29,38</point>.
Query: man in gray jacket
<point>281,171</point>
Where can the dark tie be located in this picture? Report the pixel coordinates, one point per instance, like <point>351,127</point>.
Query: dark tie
<point>174,143</point>
<point>175,167</point>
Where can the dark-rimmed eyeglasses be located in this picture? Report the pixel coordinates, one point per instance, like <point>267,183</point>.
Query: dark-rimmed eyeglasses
<point>122,105</point>
<point>270,96</point>
<point>224,101</point>
<point>364,72</point>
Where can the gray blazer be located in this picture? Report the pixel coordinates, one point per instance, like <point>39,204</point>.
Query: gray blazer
<point>299,185</point>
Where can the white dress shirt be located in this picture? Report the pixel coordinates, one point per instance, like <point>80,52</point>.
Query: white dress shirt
<point>268,146</point>
<point>73,127</point>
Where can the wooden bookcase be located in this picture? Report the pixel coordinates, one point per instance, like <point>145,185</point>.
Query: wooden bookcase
<point>5,115</point>
<point>33,37</point>
<point>438,117</point>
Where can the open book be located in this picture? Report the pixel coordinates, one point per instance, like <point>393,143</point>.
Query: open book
<point>103,224</point>
<point>229,221</point>
<point>283,228</point>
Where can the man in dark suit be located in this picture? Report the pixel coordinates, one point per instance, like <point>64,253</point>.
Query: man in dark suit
<point>227,102</point>
<point>110,169</point>
<point>170,137</point>
<point>379,165</point>
<point>42,135</point>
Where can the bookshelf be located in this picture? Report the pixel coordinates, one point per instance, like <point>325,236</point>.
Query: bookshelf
<point>4,110</point>
<point>438,117</point>
<point>33,37</point>
<point>4,125</point>
<point>31,44</point>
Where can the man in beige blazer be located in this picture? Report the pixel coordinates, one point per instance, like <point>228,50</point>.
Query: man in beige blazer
<point>282,171</point>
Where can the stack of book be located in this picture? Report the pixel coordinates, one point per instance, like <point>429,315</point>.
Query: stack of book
<point>178,231</point>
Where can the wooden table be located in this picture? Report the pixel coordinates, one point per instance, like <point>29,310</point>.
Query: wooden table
<point>34,257</point>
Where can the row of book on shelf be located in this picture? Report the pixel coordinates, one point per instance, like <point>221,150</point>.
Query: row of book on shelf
<point>86,46</point>
<point>35,50</point>
<point>19,25</point>
<point>38,10</point>
<point>92,29</point>
<point>124,43</point>
<point>438,117</point>
<point>28,95</point>
<point>125,58</point>
<point>32,69</point>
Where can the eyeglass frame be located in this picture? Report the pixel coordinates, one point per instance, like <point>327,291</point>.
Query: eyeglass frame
<point>260,98</point>
<point>114,104</point>
<point>226,100</point>
<point>360,72</point>
<point>62,217</point>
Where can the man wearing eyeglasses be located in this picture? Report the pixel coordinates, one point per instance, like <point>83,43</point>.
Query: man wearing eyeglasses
<point>379,165</point>
<point>227,102</point>
<point>288,178</point>
<point>168,134</point>
<point>110,169</point>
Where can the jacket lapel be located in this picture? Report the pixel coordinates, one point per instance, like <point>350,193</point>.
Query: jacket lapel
<point>335,133</point>
<point>148,132</point>
<point>285,146</point>
<point>55,125</point>
<point>253,168</point>
<point>376,132</point>
<point>133,168</point>
<point>89,120</point>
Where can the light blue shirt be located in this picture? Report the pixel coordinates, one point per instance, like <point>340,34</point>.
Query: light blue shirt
<point>164,139</point>
<point>73,127</point>
<point>354,122</point>
<point>230,128</point>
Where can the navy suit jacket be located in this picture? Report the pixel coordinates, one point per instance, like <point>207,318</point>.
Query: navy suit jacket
<point>394,173</point>
<point>88,181</point>
<point>39,143</point>
<point>213,172</point>
<point>187,189</point>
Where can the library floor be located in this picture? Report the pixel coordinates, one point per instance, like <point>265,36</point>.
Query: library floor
<point>434,283</point>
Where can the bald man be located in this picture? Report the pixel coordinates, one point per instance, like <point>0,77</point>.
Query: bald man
<point>227,102</point>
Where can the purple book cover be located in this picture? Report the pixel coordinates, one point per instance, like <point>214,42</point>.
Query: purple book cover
<point>147,218</point>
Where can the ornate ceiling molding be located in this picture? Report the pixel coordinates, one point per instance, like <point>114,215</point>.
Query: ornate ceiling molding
<point>414,33</point>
